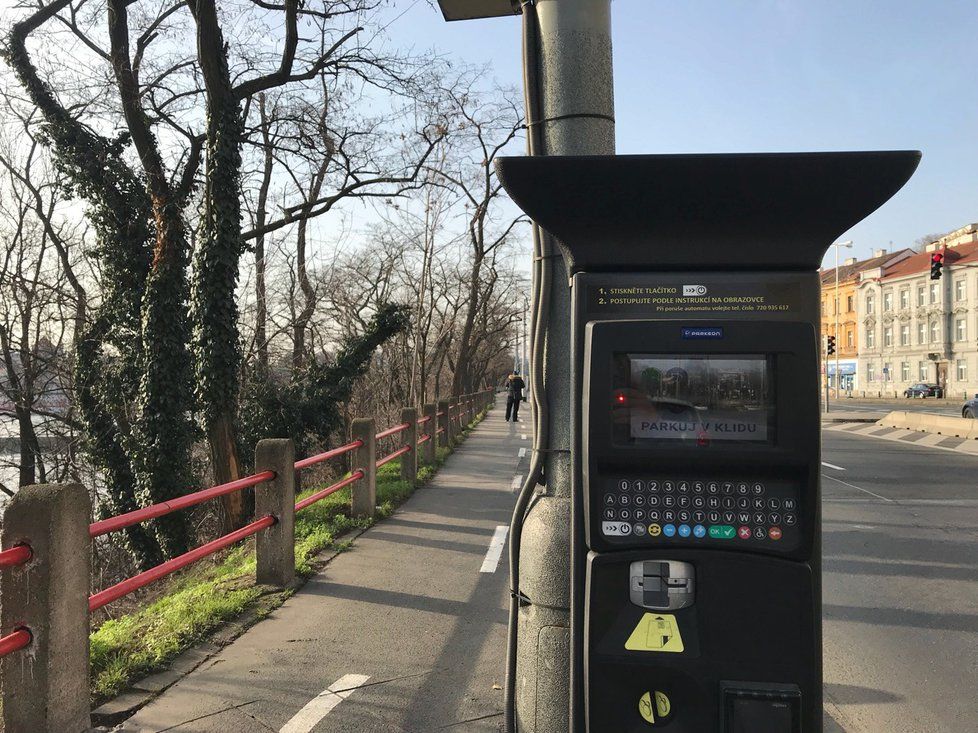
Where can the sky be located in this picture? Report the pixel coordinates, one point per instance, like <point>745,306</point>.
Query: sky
<point>777,75</point>
<point>780,75</point>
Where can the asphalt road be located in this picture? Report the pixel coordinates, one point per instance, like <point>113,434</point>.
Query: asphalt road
<point>900,589</point>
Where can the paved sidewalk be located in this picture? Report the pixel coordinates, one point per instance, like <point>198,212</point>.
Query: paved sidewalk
<point>404,632</point>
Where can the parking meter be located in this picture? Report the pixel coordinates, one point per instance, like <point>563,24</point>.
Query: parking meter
<point>695,531</point>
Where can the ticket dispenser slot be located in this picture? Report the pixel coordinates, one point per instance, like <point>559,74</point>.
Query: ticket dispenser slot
<point>695,530</point>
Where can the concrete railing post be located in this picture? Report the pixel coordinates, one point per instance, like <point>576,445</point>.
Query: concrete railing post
<point>45,686</point>
<point>409,461</point>
<point>470,408</point>
<point>430,428</point>
<point>364,458</point>
<point>452,419</point>
<point>275,546</point>
<point>444,423</point>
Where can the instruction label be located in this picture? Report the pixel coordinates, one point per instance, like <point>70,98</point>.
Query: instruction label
<point>684,300</point>
<point>656,632</point>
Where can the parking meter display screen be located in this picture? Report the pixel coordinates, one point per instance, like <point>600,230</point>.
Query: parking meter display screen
<point>700,399</point>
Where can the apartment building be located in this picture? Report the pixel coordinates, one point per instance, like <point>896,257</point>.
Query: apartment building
<point>915,329</point>
<point>839,314</point>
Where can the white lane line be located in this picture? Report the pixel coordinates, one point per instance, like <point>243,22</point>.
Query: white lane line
<point>830,465</point>
<point>321,705</point>
<point>522,453</point>
<point>858,488</point>
<point>495,551</point>
<point>517,482</point>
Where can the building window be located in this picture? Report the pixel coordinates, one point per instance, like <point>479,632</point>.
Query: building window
<point>959,289</point>
<point>905,298</point>
<point>870,338</point>
<point>962,370</point>
<point>960,330</point>
<point>887,372</point>
<point>921,333</point>
<point>921,296</point>
<point>870,305</point>
<point>850,339</point>
<point>905,371</point>
<point>935,332</point>
<point>870,372</point>
<point>922,371</point>
<point>888,336</point>
<point>905,334</point>
<point>933,292</point>
<point>887,301</point>
<point>849,308</point>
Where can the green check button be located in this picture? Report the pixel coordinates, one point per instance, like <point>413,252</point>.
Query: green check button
<point>722,532</point>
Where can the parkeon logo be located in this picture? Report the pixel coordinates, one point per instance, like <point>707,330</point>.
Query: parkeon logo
<point>691,290</point>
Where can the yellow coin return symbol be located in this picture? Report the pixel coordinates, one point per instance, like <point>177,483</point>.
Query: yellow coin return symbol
<point>654,707</point>
<point>645,708</point>
<point>662,705</point>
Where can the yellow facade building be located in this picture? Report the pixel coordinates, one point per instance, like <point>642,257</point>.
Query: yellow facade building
<point>839,316</point>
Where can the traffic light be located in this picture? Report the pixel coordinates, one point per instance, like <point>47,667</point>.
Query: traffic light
<point>829,345</point>
<point>936,263</point>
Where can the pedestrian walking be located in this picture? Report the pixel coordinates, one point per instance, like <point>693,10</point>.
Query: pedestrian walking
<point>515,387</point>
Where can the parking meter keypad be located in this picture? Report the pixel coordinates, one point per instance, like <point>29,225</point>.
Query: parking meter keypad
<point>693,511</point>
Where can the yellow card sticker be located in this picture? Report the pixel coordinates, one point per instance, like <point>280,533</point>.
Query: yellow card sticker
<point>656,632</point>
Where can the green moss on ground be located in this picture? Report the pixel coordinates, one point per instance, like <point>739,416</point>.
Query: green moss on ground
<point>200,600</point>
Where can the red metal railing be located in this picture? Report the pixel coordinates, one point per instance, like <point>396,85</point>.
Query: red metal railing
<point>392,431</point>
<point>388,458</point>
<point>117,591</point>
<point>423,439</point>
<point>14,641</point>
<point>113,524</point>
<point>313,498</point>
<point>313,460</point>
<point>16,555</point>
<point>11,558</point>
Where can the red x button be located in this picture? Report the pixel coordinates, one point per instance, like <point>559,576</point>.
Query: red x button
<point>744,533</point>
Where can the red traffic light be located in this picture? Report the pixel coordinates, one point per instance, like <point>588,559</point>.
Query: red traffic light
<point>937,257</point>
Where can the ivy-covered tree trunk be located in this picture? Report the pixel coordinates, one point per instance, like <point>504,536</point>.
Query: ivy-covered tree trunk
<point>217,352</point>
<point>131,376</point>
<point>163,431</point>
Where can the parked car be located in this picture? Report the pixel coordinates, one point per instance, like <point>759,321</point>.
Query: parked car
<point>924,390</point>
<point>970,409</point>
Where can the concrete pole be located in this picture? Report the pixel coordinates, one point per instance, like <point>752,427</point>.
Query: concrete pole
<point>409,461</point>
<point>364,491</point>
<point>576,83</point>
<point>275,547</point>
<point>45,685</point>
<point>430,426</point>
<point>444,407</point>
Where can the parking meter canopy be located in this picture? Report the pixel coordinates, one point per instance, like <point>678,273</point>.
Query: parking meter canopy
<point>763,211</point>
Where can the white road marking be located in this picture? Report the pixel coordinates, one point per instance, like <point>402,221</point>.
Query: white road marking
<point>863,526</point>
<point>858,488</point>
<point>830,465</point>
<point>522,453</point>
<point>517,482</point>
<point>321,705</point>
<point>495,551</point>
<point>522,436</point>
